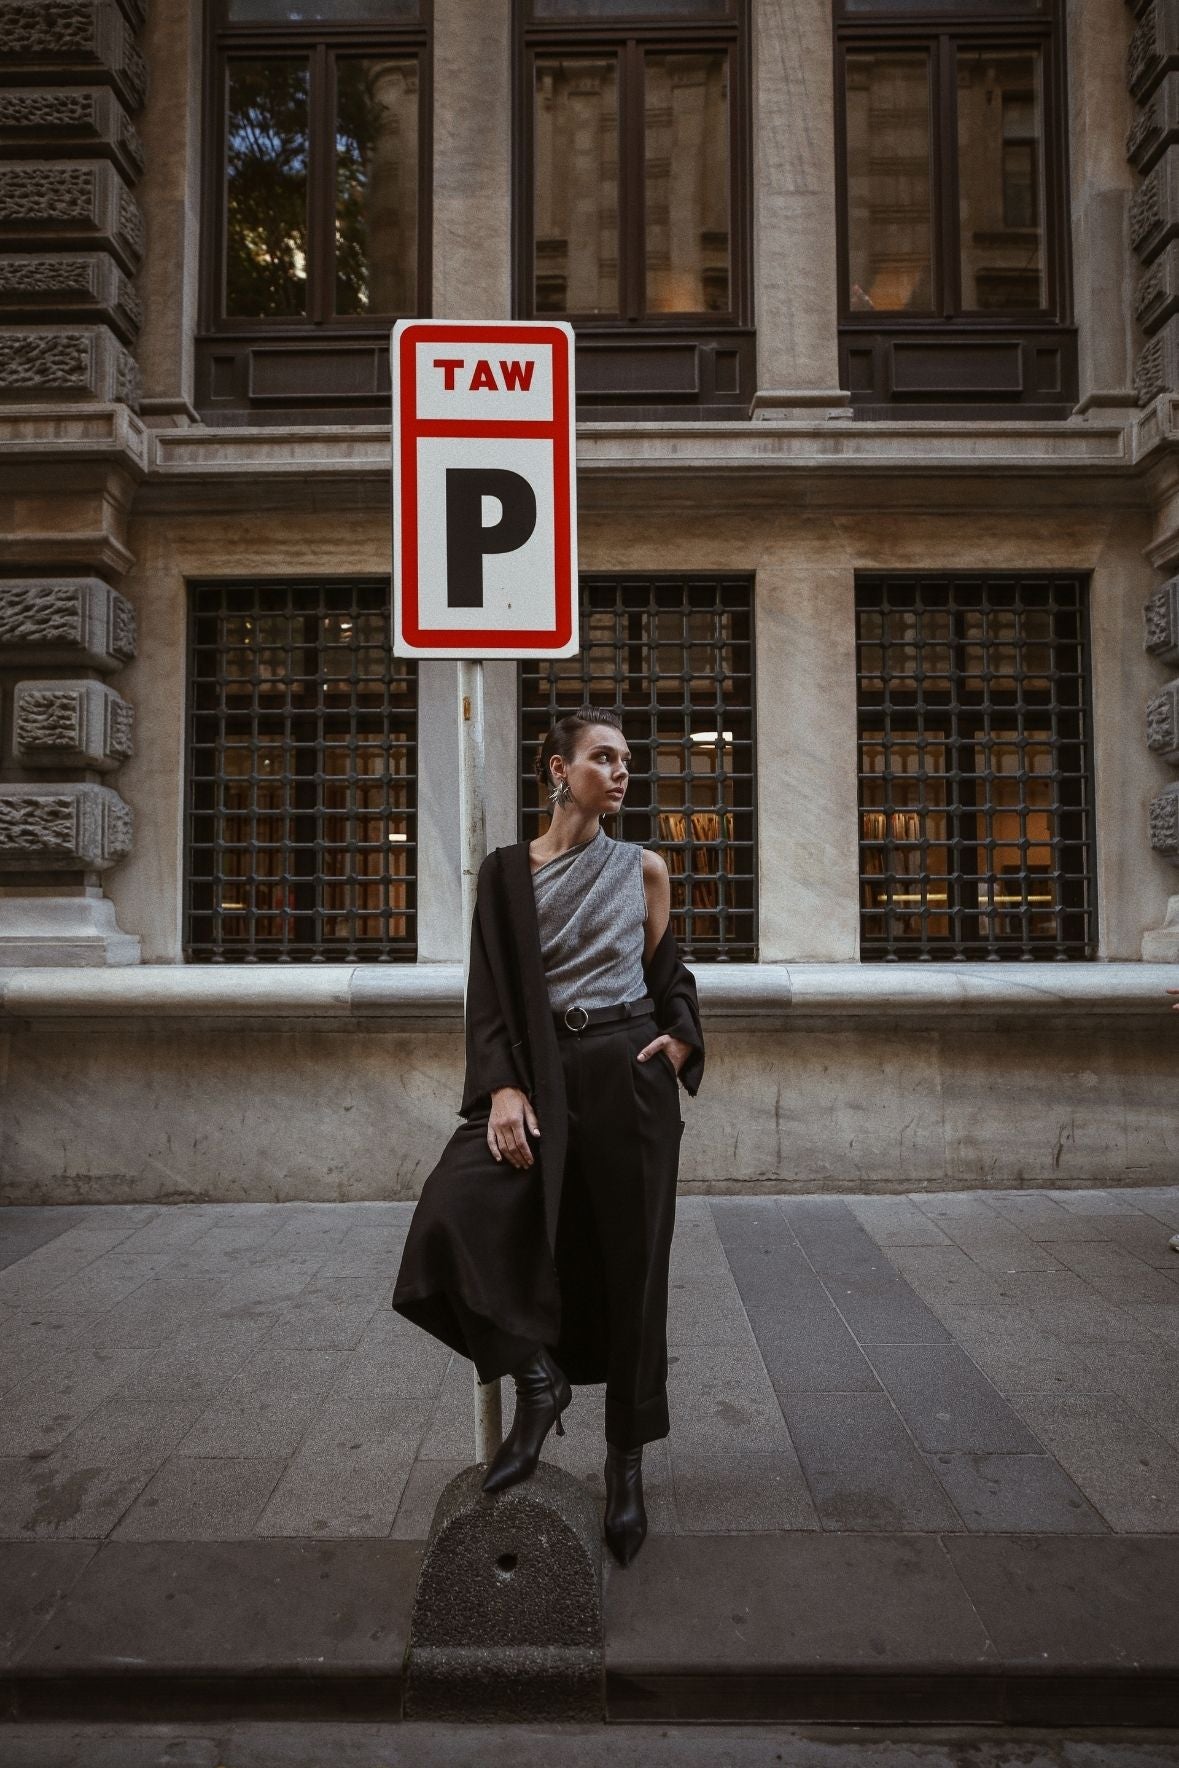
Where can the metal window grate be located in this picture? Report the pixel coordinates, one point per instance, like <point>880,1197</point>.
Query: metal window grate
<point>674,656</point>
<point>301,776</point>
<point>976,795</point>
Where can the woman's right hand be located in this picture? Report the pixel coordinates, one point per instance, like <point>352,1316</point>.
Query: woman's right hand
<point>511,1114</point>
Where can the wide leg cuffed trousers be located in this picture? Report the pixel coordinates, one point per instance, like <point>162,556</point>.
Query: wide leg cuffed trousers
<point>476,1270</point>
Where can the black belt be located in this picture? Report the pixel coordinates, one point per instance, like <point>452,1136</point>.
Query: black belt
<point>575,1018</point>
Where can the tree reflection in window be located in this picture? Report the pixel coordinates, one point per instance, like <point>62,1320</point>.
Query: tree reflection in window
<point>266,189</point>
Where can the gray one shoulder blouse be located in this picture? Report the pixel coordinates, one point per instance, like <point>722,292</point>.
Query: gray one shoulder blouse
<point>591,910</point>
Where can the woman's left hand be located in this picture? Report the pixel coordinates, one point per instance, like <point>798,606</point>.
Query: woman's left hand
<point>674,1048</point>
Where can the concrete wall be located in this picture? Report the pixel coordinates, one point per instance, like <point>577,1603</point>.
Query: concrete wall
<point>152,1112</point>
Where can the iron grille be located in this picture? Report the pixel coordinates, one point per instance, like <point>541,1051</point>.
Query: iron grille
<point>674,656</point>
<point>301,776</point>
<point>976,796</point>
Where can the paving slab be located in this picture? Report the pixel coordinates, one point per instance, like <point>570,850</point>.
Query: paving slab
<point>917,1402</point>
<point>218,1605</point>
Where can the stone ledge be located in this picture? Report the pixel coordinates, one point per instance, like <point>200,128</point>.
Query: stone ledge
<point>670,448</point>
<point>768,996</point>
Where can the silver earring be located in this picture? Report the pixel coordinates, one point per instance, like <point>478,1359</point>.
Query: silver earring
<point>560,793</point>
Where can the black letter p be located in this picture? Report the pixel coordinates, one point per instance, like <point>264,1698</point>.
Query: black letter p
<point>467,540</point>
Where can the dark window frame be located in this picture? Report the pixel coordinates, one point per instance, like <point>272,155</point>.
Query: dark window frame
<point>291,887</point>
<point>703,864</point>
<point>721,386</point>
<point>1041,349</point>
<point>228,348</point>
<point>957,727</point>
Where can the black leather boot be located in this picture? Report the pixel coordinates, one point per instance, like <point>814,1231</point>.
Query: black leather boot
<point>542,1394</point>
<point>626,1520</point>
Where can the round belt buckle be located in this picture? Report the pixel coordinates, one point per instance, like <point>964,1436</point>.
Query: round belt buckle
<point>584,1018</point>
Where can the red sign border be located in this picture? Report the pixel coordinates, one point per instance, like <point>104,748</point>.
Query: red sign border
<point>410,428</point>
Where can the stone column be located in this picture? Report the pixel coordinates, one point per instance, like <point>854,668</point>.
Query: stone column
<point>171,195</point>
<point>807,791</point>
<point>471,278</point>
<point>794,212</point>
<point>69,317</point>
<point>1101,111</point>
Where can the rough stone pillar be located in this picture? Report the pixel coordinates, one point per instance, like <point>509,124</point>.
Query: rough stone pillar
<point>1152,147</point>
<point>794,212</point>
<point>1161,945</point>
<point>1153,150</point>
<point>69,317</point>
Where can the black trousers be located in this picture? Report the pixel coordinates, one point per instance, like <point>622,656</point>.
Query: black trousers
<point>476,1270</point>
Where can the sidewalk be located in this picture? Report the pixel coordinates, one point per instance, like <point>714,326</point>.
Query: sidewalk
<point>924,1462</point>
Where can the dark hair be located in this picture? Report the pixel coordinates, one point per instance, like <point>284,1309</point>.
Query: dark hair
<point>562,737</point>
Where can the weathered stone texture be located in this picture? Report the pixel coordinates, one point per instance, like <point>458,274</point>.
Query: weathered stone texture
<point>1164,823</point>
<point>87,363</point>
<point>62,827</point>
<point>1157,368</point>
<point>83,723</point>
<point>87,118</point>
<point>56,35</point>
<point>66,620</point>
<point>1156,127</point>
<point>1161,619</point>
<point>1154,208</point>
<point>1154,47</point>
<point>1162,723</point>
<point>35,286</point>
<point>74,202</point>
<point>1157,295</point>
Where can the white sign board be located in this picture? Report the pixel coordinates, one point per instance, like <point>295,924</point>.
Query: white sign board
<point>484,490</point>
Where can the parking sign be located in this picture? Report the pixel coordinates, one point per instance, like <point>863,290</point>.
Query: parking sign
<point>484,490</point>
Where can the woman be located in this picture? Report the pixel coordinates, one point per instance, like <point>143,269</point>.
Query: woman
<point>540,1243</point>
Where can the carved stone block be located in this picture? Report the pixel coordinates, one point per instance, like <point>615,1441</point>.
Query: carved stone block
<point>1162,723</point>
<point>1154,48</point>
<point>1157,368</point>
<point>1154,208</point>
<point>75,36</point>
<point>1156,127</point>
<point>45,287</point>
<point>86,119</point>
<point>1161,617</point>
<point>1157,295</point>
<point>55,362</point>
<point>58,827</point>
<point>78,620</point>
<point>1164,823</point>
<point>71,723</point>
<point>70,203</point>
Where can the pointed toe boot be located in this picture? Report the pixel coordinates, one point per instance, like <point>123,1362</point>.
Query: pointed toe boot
<point>542,1394</point>
<point>626,1519</point>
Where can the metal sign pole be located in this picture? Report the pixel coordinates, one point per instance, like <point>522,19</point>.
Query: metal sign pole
<point>472,750</point>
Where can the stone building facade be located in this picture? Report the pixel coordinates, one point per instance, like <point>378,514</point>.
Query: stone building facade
<point>878,454</point>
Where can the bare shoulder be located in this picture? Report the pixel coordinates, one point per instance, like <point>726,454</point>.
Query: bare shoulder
<point>654,866</point>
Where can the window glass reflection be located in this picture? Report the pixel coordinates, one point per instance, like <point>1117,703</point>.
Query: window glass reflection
<point>888,177</point>
<point>687,182</point>
<point>1000,179</point>
<point>266,189</point>
<point>576,192</point>
<point>376,185</point>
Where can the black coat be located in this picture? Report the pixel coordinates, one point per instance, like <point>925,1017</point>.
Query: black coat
<point>510,1037</point>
